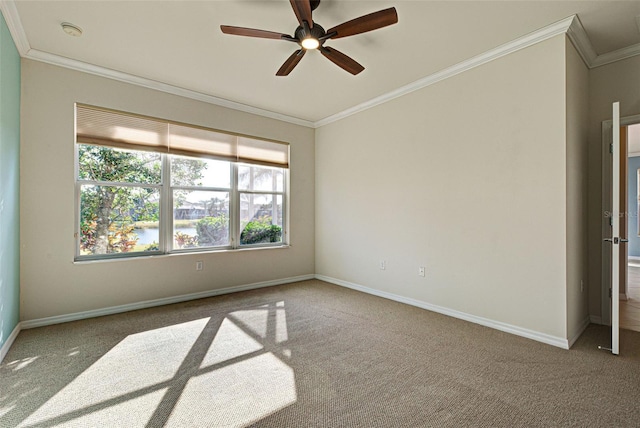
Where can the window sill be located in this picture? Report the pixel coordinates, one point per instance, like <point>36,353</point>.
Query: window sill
<point>177,254</point>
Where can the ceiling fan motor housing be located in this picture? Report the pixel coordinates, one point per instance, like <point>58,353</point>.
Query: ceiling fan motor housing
<point>316,32</point>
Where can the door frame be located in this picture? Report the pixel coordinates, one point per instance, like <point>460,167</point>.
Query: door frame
<point>607,128</point>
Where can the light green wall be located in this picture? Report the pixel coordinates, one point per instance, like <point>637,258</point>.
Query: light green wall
<point>9,183</point>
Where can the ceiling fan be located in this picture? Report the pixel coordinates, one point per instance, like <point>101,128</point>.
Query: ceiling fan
<point>310,35</point>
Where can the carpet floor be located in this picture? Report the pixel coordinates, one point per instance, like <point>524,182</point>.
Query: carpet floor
<point>310,354</point>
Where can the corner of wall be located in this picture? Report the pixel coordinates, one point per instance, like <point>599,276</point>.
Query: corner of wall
<point>577,126</point>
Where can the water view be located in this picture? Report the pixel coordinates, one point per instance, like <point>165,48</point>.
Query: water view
<point>149,235</point>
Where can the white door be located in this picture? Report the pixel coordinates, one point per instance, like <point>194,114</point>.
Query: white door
<point>615,233</point>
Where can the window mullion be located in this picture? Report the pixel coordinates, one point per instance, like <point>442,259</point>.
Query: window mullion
<point>118,184</point>
<point>262,192</point>
<point>285,207</point>
<point>77,195</point>
<point>166,198</point>
<point>234,208</point>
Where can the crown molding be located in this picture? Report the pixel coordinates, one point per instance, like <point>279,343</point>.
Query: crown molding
<point>560,27</point>
<point>10,13</point>
<point>158,86</point>
<point>583,45</point>
<point>581,42</point>
<point>12,18</point>
<point>571,26</point>
<point>617,55</point>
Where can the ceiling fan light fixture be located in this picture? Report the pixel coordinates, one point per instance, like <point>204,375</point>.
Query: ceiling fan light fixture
<point>310,43</point>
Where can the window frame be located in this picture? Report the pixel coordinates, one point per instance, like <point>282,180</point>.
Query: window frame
<point>166,215</point>
<point>273,193</point>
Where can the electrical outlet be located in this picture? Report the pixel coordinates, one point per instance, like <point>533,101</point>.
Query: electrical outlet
<point>383,265</point>
<point>199,265</point>
<point>421,271</point>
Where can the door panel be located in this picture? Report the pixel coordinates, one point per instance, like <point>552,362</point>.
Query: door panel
<point>615,234</point>
<point>624,208</point>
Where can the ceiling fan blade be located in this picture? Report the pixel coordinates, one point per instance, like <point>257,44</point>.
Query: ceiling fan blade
<point>252,32</point>
<point>365,23</point>
<point>341,60</point>
<point>302,9</point>
<point>291,63</point>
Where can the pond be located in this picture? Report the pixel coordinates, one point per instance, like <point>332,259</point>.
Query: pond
<point>149,235</point>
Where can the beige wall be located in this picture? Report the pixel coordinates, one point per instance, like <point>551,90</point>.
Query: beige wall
<point>619,81</point>
<point>577,90</point>
<point>51,284</point>
<point>466,177</point>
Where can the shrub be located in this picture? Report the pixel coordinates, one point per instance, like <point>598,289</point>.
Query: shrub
<point>213,231</point>
<point>184,240</point>
<point>120,239</point>
<point>123,239</point>
<point>154,246</point>
<point>260,231</point>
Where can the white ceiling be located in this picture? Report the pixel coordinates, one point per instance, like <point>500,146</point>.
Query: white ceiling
<point>180,43</point>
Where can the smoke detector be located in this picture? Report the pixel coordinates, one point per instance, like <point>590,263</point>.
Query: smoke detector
<point>72,30</point>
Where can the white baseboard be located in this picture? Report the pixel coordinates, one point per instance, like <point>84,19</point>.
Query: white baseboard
<point>508,328</point>
<point>12,337</point>
<point>585,323</point>
<point>40,322</point>
<point>595,319</point>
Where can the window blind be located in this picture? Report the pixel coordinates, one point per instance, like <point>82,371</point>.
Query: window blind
<point>98,126</point>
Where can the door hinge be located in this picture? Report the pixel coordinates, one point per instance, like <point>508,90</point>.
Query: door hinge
<point>610,293</point>
<point>611,148</point>
<point>611,221</point>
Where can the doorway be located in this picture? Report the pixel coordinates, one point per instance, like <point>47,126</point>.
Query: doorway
<point>626,212</point>
<point>630,288</point>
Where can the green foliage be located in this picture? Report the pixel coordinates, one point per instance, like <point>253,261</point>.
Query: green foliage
<point>213,231</point>
<point>185,172</point>
<point>260,231</point>
<point>154,246</point>
<point>107,164</point>
<point>119,239</point>
<point>103,207</point>
<point>87,234</point>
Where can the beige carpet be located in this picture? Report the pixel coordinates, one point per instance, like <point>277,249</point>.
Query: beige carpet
<point>310,354</point>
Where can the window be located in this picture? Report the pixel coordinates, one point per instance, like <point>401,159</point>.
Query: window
<point>146,186</point>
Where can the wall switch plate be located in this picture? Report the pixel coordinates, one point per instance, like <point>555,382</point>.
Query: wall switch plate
<point>199,265</point>
<point>383,265</point>
<point>421,271</point>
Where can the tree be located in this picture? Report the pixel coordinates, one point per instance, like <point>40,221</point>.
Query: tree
<point>185,172</point>
<point>107,211</point>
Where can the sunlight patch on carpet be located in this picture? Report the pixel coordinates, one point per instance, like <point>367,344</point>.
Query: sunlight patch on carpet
<point>236,394</point>
<point>123,376</point>
<point>230,342</point>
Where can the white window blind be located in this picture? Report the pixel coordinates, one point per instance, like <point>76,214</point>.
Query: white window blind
<point>98,126</point>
